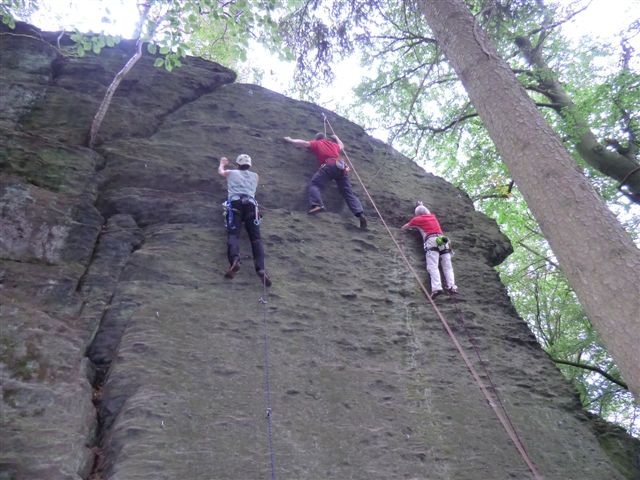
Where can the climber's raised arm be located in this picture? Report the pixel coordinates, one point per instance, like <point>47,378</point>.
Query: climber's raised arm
<point>224,161</point>
<point>298,142</point>
<point>338,141</point>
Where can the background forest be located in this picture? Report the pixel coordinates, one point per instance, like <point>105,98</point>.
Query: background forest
<point>407,94</point>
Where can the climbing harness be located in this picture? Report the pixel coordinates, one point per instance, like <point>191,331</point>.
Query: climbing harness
<point>228,211</point>
<point>442,240</point>
<point>492,399</point>
<point>442,244</point>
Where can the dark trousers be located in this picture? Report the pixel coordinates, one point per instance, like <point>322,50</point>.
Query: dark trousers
<point>324,175</point>
<point>243,213</point>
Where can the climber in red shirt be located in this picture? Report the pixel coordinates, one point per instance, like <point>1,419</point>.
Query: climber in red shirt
<point>436,247</point>
<point>331,167</point>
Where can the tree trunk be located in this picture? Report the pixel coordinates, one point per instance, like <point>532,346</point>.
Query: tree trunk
<point>598,257</point>
<point>96,123</point>
<point>106,100</point>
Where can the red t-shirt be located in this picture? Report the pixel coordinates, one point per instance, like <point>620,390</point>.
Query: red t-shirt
<point>427,223</point>
<point>326,151</point>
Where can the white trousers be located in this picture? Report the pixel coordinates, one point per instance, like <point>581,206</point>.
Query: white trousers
<point>434,258</point>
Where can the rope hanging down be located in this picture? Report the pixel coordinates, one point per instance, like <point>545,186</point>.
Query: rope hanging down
<point>267,388</point>
<point>498,407</point>
<point>494,389</point>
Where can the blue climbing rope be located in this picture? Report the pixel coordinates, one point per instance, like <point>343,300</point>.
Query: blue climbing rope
<point>267,387</point>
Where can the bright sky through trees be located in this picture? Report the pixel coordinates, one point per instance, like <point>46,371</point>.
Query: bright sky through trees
<point>116,17</point>
<point>602,20</point>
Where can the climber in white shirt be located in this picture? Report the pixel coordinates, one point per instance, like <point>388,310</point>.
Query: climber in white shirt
<point>242,208</point>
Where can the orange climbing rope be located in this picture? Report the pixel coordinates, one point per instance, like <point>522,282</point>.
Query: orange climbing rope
<point>495,403</point>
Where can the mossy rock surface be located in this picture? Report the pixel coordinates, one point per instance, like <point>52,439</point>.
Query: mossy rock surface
<point>126,354</point>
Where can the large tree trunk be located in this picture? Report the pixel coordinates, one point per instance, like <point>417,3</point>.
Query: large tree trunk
<point>598,257</point>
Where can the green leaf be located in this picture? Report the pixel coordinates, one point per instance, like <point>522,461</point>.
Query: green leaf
<point>80,50</point>
<point>159,62</point>
<point>164,50</point>
<point>152,48</point>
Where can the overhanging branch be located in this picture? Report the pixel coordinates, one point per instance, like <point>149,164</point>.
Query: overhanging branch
<point>606,375</point>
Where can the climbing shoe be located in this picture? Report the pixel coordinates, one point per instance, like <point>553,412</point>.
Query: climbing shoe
<point>363,222</point>
<point>435,293</point>
<point>266,281</point>
<point>315,209</point>
<point>452,290</point>
<point>233,268</point>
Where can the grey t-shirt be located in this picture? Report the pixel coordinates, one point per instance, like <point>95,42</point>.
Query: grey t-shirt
<point>241,182</point>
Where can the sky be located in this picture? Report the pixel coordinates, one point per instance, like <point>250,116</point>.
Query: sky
<point>87,15</point>
<point>602,17</point>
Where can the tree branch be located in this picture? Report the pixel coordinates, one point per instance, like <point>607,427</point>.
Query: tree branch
<point>115,83</point>
<point>538,254</point>
<point>606,375</point>
<point>448,126</point>
<point>608,162</point>
<point>11,34</point>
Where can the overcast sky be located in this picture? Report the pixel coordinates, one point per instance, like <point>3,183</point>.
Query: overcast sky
<point>603,19</point>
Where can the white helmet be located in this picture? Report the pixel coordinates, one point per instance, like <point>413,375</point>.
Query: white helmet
<point>421,210</point>
<point>243,159</point>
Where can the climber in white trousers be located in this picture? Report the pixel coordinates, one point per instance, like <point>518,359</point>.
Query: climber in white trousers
<point>437,249</point>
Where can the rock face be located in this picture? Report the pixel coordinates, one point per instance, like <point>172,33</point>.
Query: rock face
<point>126,355</point>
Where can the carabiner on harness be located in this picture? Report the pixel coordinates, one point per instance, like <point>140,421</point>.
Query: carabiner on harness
<point>227,213</point>
<point>441,240</point>
<point>256,220</point>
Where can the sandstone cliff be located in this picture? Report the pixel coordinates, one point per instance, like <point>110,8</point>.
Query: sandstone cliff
<point>125,354</point>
